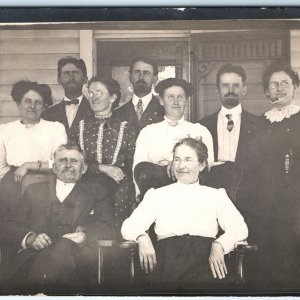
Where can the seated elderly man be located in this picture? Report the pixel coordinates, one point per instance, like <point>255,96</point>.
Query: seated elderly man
<point>57,226</point>
<point>153,155</point>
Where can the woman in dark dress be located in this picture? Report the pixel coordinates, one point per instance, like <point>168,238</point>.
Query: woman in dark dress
<point>109,145</point>
<point>274,210</point>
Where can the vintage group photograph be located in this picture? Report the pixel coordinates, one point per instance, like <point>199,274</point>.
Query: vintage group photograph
<point>150,157</point>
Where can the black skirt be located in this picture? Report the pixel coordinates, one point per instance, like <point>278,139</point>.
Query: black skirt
<point>184,260</point>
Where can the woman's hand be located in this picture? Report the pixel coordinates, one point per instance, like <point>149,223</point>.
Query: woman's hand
<point>20,172</point>
<point>113,172</point>
<point>216,261</point>
<point>146,253</point>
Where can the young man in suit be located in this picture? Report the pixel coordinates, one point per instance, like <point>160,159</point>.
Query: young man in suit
<point>57,227</point>
<point>232,128</point>
<point>71,75</point>
<point>144,108</point>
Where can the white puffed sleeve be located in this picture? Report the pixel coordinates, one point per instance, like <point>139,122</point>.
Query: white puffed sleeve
<point>231,222</point>
<point>141,218</point>
<point>4,167</point>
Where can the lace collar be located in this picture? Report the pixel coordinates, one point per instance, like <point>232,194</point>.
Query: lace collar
<point>278,114</point>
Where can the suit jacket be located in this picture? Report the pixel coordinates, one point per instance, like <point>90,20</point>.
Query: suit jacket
<point>88,205</point>
<point>249,126</point>
<point>58,113</point>
<point>154,113</point>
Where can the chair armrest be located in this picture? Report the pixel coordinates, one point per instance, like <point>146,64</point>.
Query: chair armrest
<point>130,245</point>
<point>241,248</point>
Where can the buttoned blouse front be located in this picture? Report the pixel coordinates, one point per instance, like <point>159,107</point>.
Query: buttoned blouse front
<point>156,141</point>
<point>21,143</point>
<point>180,209</point>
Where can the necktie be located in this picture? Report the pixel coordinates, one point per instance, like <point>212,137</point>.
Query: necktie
<point>230,123</point>
<point>74,101</point>
<point>139,109</point>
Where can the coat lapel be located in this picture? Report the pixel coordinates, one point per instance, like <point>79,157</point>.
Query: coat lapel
<point>84,110</point>
<point>61,114</point>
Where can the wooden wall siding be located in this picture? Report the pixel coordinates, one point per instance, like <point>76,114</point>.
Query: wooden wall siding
<point>32,55</point>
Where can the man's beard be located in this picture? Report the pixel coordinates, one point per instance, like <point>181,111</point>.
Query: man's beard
<point>140,87</point>
<point>231,99</point>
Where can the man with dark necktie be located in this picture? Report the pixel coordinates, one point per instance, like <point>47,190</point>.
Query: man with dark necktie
<point>71,75</point>
<point>144,108</point>
<point>231,127</point>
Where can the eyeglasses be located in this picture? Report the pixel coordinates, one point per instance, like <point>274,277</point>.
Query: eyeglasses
<point>97,94</point>
<point>283,84</point>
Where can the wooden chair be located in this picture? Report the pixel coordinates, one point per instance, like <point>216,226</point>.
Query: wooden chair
<point>240,251</point>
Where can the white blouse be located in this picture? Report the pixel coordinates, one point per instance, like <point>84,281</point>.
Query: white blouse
<point>156,141</point>
<point>179,209</point>
<point>21,143</point>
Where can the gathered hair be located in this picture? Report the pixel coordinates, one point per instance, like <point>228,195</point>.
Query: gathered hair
<point>196,144</point>
<point>279,66</point>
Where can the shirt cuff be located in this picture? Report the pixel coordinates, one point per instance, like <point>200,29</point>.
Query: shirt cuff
<point>227,244</point>
<point>23,244</point>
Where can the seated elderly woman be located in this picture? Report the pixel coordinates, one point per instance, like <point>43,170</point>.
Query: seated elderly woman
<point>26,145</point>
<point>153,155</point>
<point>187,217</point>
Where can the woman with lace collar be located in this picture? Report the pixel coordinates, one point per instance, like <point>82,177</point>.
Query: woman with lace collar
<point>109,145</point>
<point>274,204</point>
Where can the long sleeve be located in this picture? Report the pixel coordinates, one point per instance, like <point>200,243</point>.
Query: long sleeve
<point>60,137</point>
<point>4,167</point>
<point>231,222</point>
<point>141,218</point>
<point>132,136</point>
<point>141,149</point>
<point>208,141</point>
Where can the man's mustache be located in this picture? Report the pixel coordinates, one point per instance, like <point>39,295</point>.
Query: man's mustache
<point>230,95</point>
<point>141,81</point>
<point>68,169</point>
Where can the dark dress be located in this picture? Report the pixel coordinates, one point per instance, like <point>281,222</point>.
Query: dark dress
<point>110,142</point>
<point>273,215</point>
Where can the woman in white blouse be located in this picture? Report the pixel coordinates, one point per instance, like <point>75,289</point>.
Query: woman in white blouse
<point>187,217</point>
<point>26,145</point>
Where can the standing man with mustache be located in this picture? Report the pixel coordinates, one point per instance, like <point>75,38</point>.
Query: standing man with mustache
<point>71,75</point>
<point>231,127</point>
<point>144,108</point>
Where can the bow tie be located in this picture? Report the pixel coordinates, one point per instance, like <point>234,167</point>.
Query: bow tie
<point>74,101</point>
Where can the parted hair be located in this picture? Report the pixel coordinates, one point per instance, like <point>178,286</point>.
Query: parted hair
<point>146,60</point>
<point>279,66</point>
<point>230,68</point>
<point>165,84</point>
<point>79,63</point>
<point>112,86</point>
<point>70,146</point>
<point>21,87</point>
<point>196,144</point>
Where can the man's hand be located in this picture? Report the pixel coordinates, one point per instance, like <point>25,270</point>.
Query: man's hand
<point>113,172</point>
<point>216,261</point>
<point>20,172</point>
<point>170,171</point>
<point>38,242</point>
<point>146,253</point>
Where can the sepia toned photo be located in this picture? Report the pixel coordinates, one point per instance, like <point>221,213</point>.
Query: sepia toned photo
<point>155,156</point>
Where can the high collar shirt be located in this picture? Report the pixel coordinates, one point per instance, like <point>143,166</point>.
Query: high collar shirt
<point>179,209</point>
<point>21,143</point>
<point>145,100</point>
<point>228,140</point>
<point>71,110</point>
<point>155,142</point>
<point>63,189</point>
